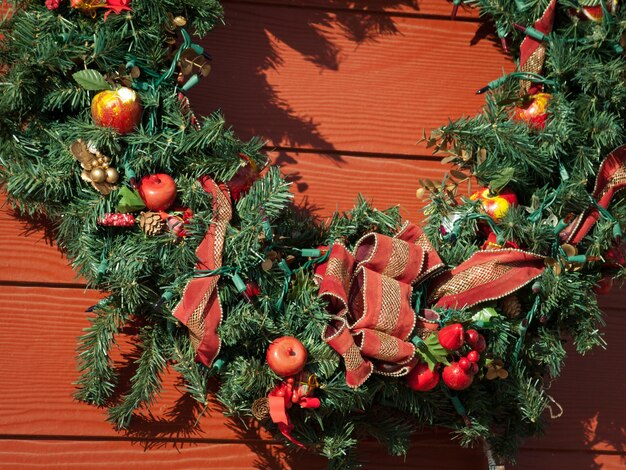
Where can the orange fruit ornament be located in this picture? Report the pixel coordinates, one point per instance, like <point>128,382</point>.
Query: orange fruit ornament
<point>119,109</point>
<point>495,206</point>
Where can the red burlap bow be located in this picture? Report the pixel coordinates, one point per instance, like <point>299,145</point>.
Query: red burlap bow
<point>533,52</point>
<point>200,309</point>
<point>369,296</point>
<point>610,180</point>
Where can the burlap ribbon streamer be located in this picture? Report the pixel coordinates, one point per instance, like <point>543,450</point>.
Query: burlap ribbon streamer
<point>610,180</point>
<point>487,275</point>
<point>200,309</point>
<point>369,295</point>
<point>533,52</point>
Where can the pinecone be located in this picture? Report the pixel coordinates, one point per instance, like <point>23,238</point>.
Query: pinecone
<point>151,223</point>
<point>261,408</point>
<point>511,306</point>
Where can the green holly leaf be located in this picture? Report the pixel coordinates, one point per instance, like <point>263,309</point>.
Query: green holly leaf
<point>91,80</point>
<point>130,201</point>
<point>430,351</point>
<point>504,177</point>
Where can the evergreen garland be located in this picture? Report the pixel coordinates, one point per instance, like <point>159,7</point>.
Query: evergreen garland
<point>44,109</point>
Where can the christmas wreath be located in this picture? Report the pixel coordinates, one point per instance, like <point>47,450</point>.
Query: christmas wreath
<point>327,333</point>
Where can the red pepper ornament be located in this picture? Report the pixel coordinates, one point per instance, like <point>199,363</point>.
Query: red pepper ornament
<point>451,337</point>
<point>299,391</point>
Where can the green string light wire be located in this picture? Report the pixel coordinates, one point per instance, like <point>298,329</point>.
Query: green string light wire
<point>523,327</point>
<point>533,77</point>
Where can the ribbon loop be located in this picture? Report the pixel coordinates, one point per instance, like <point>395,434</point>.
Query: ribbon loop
<point>369,293</point>
<point>486,275</point>
<point>380,302</point>
<point>610,180</point>
<point>199,308</point>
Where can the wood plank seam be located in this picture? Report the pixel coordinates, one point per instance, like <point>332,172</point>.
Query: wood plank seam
<point>51,285</point>
<point>336,9</point>
<point>354,153</point>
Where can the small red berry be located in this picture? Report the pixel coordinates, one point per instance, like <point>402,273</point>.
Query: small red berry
<point>475,340</point>
<point>474,370</point>
<point>451,336</point>
<point>456,378</point>
<point>473,356</point>
<point>465,364</point>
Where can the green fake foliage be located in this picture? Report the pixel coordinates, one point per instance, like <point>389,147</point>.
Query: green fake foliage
<point>91,80</point>
<point>58,61</point>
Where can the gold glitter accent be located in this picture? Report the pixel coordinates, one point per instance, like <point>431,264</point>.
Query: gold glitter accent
<point>399,258</point>
<point>390,305</point>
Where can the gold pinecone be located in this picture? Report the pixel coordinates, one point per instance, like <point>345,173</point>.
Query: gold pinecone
<point>511,306</point>
<point>261,408</point>
<point>151,223</point>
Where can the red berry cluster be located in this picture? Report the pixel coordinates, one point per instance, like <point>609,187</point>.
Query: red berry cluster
<point>460,373</point>
<point>53,4</point>
<point>117,220</point>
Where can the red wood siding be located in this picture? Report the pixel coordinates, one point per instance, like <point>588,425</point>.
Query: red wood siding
<point>341,89</point>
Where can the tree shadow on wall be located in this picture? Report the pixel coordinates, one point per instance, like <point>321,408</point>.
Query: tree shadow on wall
<point>250,47</point>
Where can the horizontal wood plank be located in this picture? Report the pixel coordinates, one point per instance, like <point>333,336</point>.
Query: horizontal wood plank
<point>570,460</point>
<point>591,391</point>
<point>330,182</point>
<point>417,8</point>
<point>27,253</point>
<point>307,79</point>
<point>37,364</point>
<point>17,454</point>
<point>38,367</point>
<point>24,453</point>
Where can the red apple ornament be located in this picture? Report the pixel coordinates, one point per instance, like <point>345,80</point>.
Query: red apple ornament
<point>595,12</point>
<point>119,109</point>
<point>286,356</point>
<point>451,336</point>
<point>158,191</point>
<point>421,378</point>
<point>495,206</point>
<point>532,110</point>
<point>456,378</point>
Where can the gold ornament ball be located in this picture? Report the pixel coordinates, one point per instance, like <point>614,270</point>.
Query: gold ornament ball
<point>98,175</point>
<point>112,175</point>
